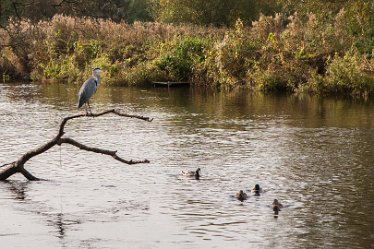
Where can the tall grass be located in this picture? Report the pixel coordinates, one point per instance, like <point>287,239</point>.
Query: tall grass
<point>65,49</point>
<point>277,53</point>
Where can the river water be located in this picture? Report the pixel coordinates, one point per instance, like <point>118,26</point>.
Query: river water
<point>315,155</point>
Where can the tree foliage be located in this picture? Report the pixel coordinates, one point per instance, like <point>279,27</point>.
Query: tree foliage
<point>205,12</point>
<point>210,12</point>
<point>202,12</point>
<point>35,10</point>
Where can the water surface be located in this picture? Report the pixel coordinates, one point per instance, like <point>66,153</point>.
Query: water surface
<point>313,154</point>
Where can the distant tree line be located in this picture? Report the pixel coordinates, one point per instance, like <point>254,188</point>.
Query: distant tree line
<point>206,12</point>
<point>36,10</point>
<point>201,12</point>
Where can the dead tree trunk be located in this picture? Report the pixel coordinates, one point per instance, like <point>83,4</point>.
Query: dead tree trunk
<point>9,169</point>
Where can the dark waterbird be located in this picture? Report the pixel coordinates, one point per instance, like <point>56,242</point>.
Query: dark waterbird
<point>195,174</point>
<point>257,190</point>
<point>276,206</point>
<point>241,196</point>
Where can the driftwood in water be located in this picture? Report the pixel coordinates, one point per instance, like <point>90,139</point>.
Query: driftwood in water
<point>9,169</point>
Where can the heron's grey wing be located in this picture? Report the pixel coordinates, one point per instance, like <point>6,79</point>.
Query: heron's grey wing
<point>87,90</point>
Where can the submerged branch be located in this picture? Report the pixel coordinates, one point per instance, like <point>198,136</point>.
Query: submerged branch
<point>28,175</point>
<point>7,170</point>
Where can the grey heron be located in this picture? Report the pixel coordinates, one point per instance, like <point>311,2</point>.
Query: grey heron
<point>88,89</point>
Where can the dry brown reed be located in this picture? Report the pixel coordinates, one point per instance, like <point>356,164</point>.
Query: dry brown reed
<point>276,53</point>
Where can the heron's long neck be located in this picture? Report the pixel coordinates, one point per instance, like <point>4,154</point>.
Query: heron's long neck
<point>97,77</point>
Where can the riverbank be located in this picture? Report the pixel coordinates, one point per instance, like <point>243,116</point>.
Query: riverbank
<point>279,53</point>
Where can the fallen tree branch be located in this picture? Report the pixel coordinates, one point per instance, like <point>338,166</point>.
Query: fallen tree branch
<point>97,150</point>
<point>8,169</point>
<point>65,120</point>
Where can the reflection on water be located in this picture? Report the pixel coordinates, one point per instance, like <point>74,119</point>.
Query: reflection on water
<point>313,154</point>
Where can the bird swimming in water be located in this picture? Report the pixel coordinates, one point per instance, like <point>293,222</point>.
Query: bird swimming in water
<point>241,196</point>
<point>257,190</point>
<point>276,206</point>
<point>88,89</point>
<point>195,173</point>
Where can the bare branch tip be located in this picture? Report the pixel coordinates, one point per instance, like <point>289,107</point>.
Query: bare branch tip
<point>6,164</point>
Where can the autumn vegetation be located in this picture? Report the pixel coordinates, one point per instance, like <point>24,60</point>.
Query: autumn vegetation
<point>321,47</point>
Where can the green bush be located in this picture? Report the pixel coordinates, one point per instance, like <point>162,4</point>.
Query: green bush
<point>345,75</point>
<point>141,74</point>
<point>229,60</point>
<point>280,74</point>
<point>179,57</point>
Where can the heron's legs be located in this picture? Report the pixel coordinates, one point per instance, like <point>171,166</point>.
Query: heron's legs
<point>85,107</point>
<point>88,110</point>
<point>89,107</point>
